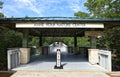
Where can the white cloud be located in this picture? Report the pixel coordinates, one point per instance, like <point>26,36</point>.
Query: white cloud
<point>9,10</point>
<point>25,1</point>
<point>40,7</point>
<point>28,4</point>
<point>76,5</point>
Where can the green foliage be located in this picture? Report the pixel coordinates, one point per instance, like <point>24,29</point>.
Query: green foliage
<point>49,40</point>
<point>103,8</point>
<point>83,41</point>
<point>102,41</point>
<point>68,41</point>
<point>33,41</point>
<point>8,39</point>
<point>81,14</point>
<point>111,40</point>
<point>1,15</point>
<point>1,6</point>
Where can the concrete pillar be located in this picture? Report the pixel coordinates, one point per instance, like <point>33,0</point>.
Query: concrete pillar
<point>93,52</point>
<point>40,45</point>
<point>25,38</point>
<point>40,41</point>
<point>75,41</point>
<point>25,51</point>
<point>75,45</point>
<point>93,42</point>
<point>24,55</point>
<point>93,56</point>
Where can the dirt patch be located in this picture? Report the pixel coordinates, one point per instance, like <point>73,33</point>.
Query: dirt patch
<point>6,73</point>
<point>114,74</point>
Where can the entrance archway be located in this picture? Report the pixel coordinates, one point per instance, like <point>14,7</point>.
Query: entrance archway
<point>58,26</point>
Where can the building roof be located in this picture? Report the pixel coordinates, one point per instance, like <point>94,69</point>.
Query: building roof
<point>59,19</point>
<point>68,32</point>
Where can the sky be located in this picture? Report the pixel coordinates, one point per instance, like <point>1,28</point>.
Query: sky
<point>42,8</point>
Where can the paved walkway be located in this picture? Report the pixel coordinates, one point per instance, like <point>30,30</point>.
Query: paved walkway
<point>69,62</point>
<point>59,73</point>
<point>73,66</point>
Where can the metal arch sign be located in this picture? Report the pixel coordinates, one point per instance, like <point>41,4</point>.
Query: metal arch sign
<point>59,25</point>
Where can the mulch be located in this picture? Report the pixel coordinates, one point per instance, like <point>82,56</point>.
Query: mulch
<point>6,73</point>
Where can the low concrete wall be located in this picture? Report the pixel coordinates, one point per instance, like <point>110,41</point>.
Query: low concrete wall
<point>17,56</point>
<point>101,57</point>
<point>24,55</point>
<point>13,58</point>
<point>93,56</point>
<point>105,59</point>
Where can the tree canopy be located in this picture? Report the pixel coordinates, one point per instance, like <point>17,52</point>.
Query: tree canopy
<point>1,6</point>
<point>8,39</point>
<point>101,9</point>
<point>81,14</point>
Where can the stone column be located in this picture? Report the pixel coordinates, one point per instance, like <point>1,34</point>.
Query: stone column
<point>93,52</point>
<point>25,38</point>
<point>40,45</point>
<point>93,42</point>
<point>25,51</point>
<point>40,40</point>
<point>75,41</point>
<point>93,56</point>
<point>75,44</point>
<point>24,55</point>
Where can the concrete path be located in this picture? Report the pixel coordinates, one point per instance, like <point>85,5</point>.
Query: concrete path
<point>73,66</point>
<point>59,73</point>
<point>69,62</point>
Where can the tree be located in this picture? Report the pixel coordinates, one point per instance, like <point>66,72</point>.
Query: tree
<point>81,14</point>
<point>111,40</point>
<point>1,6</point>
<point>8,39</point>
<point>103,8</point>
<point>83,41</point>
